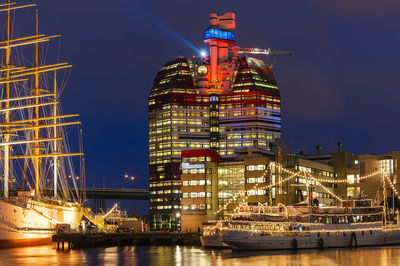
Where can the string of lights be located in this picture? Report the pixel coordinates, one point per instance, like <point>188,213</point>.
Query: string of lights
<point>392,186</point>
<point>325,189</point>
<point>243,194</point>
<point>308,176</point>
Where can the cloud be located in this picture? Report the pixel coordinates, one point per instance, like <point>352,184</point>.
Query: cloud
<point>361,7</point>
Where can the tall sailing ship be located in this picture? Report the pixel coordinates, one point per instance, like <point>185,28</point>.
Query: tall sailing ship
<point>36,163</point>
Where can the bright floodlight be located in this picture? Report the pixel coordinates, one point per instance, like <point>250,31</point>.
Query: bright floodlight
<point>203,53</point>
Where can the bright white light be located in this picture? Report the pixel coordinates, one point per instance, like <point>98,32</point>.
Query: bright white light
<point>178,215</point>
<point>203,53</point>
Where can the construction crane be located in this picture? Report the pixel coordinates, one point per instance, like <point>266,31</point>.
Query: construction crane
<point>261,51</point>
<point>240,50</point>
<point>236,50</point>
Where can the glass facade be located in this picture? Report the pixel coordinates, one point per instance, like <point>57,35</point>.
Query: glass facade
<point>178,120</point>
<point>230,183</point>
<point>249,116</point>
<point>183,116</point>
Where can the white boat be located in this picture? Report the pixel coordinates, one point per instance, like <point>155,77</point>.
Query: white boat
<point>212,232</point>
<point>117,220</point>
<point>36,165</point>
<point>359,224</point>
<point>212,237</point>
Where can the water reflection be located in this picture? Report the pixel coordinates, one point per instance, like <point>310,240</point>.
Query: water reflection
<point>181,256</point>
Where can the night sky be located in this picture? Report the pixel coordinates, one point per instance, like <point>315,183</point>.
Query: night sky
<point>340,84</point>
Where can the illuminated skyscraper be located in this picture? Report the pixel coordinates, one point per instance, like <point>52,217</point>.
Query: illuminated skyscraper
<point>222,101</point>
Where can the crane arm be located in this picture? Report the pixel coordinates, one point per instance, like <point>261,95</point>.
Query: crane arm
<point>262,51</point>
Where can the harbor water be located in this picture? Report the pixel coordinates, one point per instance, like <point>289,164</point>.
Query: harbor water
<point>179,255</point>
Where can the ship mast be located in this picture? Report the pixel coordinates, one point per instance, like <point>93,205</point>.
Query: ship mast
<point>36,158</point>
<point>33,127</point>
<point>7,105</point>
<point>55,151</point>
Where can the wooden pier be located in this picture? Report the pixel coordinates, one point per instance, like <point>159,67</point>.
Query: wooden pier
<point>87,240</point>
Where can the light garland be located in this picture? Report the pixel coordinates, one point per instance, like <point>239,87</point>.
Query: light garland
<point>392,186</point>
<point>293,174</point>
<point>319,231</point>
<point>326,189</point>
<point>308,177</point>
<point>369,175</point>
<point>257,188</point>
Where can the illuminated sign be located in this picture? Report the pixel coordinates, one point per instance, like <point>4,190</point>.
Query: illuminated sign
<point>219,34</point>
<point>192,166</point>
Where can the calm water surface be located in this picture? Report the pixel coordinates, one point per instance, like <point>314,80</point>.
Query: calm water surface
<point>160,255</point>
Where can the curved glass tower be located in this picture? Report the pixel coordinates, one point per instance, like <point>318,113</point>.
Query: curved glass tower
<point>224,101</point>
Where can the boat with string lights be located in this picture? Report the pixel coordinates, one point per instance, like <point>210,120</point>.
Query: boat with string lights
<point>212,231</point>
<point>309,224</point>
<point>355,223</point>
<point>40,187</point>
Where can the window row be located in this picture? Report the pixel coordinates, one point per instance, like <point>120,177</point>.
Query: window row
<point>165,184</point>
<point>257,192</point>
<point>197,171</point>
<point>258,167</point>
<point>197,195</point>
<point>166,191</point>
<point>196,183</point>
<point>252,180</point>
<point>197,207</point>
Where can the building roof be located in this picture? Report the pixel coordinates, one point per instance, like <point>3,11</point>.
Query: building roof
<point>258,78</point>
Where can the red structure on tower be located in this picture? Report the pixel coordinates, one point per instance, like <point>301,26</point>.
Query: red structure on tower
<point>220,39</point>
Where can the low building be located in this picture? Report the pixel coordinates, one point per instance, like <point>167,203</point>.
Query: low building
<point>213,186</point>
<point>199,188</point>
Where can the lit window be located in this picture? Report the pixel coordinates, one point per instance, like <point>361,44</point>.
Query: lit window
<point>350,179</point>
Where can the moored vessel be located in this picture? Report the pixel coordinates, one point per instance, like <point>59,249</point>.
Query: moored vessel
<point>357,223</point>
<point>212,231</point>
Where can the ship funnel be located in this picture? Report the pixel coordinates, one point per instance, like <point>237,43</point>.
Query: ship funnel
<point>318,148</point>
<point>339,146</point>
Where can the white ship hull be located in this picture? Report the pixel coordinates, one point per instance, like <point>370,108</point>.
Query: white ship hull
<point>212,241</point>
<point>26,221</point>
<point>243,241</point>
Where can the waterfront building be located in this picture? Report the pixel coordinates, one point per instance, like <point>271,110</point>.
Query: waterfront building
<point>223,101</point>
<point>199,188</point>
<point>253,177</point>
